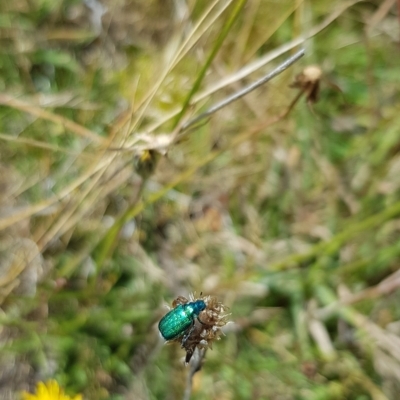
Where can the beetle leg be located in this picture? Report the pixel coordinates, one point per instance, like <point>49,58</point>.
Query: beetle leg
<point>187,335</point>
<point>198,319</point>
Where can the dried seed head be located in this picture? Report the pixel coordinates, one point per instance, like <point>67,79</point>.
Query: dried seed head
<point>207,328</point>
<point>308,81</point>
<point>145,163</point>
<point>179,300</point>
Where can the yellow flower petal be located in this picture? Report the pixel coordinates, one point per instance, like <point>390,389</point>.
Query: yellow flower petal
<point>54,390</point>
<point>49,391</point>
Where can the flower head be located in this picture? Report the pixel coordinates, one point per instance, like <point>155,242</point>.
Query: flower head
<point>49,391</point>
<point>207,328</point>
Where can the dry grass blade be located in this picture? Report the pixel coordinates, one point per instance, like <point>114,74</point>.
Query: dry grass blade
<point>101,164</point>
<point>42,145</point>
<point>195,33</point>
<point>385,340</point>
<point>262,61</point>
<point>256,65</point>
<point>384,288</point>
<point>72,126</point>
<point>218,43</point>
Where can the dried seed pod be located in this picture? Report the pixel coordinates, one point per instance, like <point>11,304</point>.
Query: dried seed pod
<point>308,82</point>
<point>146,163</point>
<point>179,300</point>
<point>194,323</point>
<point>207,328</point>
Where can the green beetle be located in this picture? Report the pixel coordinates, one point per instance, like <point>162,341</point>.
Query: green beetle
<point>179,320</point>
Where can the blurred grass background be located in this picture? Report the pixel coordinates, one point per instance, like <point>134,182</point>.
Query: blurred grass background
<point>106,215</point>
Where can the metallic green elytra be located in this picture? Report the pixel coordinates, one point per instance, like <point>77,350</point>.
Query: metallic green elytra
<point>178,321</point>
